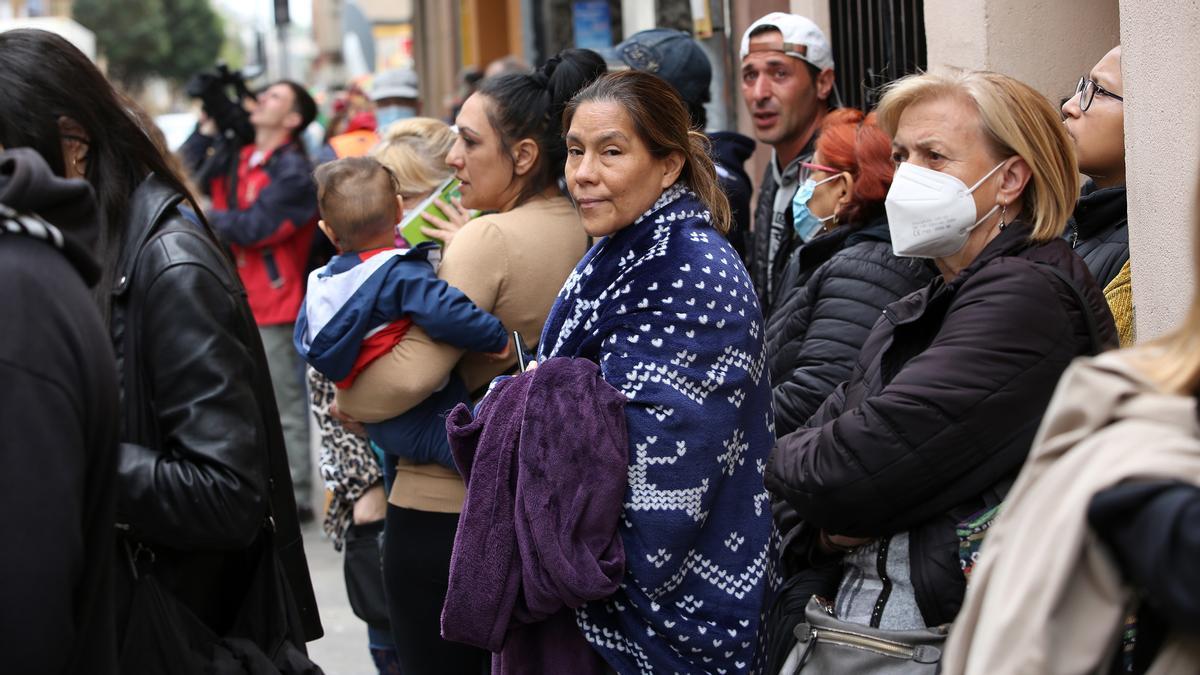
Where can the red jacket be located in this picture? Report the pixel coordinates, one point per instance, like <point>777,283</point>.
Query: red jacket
<point>271,228</point>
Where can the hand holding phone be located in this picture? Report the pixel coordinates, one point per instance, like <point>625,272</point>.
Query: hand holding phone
<point>524,362</point>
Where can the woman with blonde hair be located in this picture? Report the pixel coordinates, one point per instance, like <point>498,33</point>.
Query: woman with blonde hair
<point>950,386</point>
<point>1106,513</point>
<point>415,150</point>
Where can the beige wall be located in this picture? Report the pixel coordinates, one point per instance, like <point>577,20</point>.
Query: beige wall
<point>1047,44</point>
<point>386,11</point>
<point>817,10</point>
<point>436,60</point>
<point>1161,70</point>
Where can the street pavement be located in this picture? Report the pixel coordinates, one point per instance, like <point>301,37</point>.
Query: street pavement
<point>343,650</point>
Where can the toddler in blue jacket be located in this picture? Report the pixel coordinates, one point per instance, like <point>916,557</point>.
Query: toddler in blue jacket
<point>360,305</point>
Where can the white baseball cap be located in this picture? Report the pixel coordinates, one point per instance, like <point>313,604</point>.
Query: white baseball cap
<point>398,83</point>
<point>802,39</point>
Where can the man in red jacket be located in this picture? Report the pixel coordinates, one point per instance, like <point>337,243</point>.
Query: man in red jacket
<point>265,207</point>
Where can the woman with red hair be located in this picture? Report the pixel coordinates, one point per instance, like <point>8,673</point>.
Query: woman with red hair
<point>843,275</point>
<point>833,289</point>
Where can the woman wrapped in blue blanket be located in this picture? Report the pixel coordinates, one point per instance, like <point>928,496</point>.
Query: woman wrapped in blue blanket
<point>664,305</point>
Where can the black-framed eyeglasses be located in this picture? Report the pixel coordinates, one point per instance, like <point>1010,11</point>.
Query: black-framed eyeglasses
<point>1087,89</point>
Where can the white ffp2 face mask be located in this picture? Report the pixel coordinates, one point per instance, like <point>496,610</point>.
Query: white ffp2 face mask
<point>930,213</point>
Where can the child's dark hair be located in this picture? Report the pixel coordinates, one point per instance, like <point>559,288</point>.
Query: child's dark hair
<point>357,199</point>
<point>530,105</point>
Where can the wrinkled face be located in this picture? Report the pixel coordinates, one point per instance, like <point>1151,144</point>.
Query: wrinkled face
<point>946,135</point>
<point>480,161</point>
<point>611,174</point>
<point>1099,132</point>
<point>275,108</point>
<point>779,92</point>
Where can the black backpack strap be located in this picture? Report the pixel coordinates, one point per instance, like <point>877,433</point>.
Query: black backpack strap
<point>1089,317</point>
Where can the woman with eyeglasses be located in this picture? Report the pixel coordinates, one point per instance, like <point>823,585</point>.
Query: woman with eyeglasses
<point>934,423</point>
<point>844,272</point>
<point>1095,121</point>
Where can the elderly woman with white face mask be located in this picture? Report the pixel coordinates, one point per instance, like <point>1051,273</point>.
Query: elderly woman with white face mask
<point>923,441</point>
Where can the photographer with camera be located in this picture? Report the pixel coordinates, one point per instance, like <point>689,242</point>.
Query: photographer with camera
<point>264,206</point>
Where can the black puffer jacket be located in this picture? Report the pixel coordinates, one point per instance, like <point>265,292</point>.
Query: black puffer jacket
<point>1099,231</point>
<point>941,409</point>
<point>831,294</point>
<point>202,454</point>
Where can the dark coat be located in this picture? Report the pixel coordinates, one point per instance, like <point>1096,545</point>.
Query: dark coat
<point>1099,232</point>
<point>941,409</point>
<point>1153,529</point>
<point>58,413</point>
<point>764,214</point>
<point>833,291</point>
<point>202,462</point>
<point>730,150</point>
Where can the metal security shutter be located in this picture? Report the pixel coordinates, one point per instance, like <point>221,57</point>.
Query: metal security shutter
<point>875,42</point>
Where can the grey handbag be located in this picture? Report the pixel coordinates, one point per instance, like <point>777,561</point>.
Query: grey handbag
<point>828,646</point>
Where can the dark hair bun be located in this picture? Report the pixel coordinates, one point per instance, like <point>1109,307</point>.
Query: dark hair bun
<point>568,72</point>
<point>530,105</point>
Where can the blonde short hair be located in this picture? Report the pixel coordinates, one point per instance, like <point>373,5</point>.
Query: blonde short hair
<point>415,150</point>
<point>1016,120</point>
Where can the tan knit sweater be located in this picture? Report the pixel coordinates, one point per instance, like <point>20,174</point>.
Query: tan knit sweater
<point>510,264</point>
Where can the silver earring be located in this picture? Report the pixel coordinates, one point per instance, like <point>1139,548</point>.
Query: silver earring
<point>1003,212</point>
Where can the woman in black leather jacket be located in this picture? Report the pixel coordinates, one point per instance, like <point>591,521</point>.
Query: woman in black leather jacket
<point>201,468</point>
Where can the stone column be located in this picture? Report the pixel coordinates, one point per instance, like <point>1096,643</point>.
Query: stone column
<point>1161,69</point>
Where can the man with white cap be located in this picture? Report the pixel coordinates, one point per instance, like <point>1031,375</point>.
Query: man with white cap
<point>395,95</point>
<point>788,85</point>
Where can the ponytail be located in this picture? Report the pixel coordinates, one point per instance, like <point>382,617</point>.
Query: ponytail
<point>530,105</point>
<point>701,176</point>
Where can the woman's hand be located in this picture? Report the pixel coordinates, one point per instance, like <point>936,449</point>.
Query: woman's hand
<point>348,423</point>
<point>503,353</point>
<point>445,229</point>
<point>371,507</point>
<point>836,543</point>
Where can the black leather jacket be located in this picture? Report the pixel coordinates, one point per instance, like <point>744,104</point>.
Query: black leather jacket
<point>202,463</point>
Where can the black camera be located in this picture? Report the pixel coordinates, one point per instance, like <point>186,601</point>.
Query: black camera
<point>214,89</point>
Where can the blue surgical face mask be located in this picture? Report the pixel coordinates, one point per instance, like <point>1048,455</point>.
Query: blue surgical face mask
<point>391,113</point>
<point>806,224</point>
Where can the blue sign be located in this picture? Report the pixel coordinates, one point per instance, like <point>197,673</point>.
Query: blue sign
<point>593,24</point>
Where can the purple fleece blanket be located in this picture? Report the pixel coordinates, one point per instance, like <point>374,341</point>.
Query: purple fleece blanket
<point>545,464</point>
